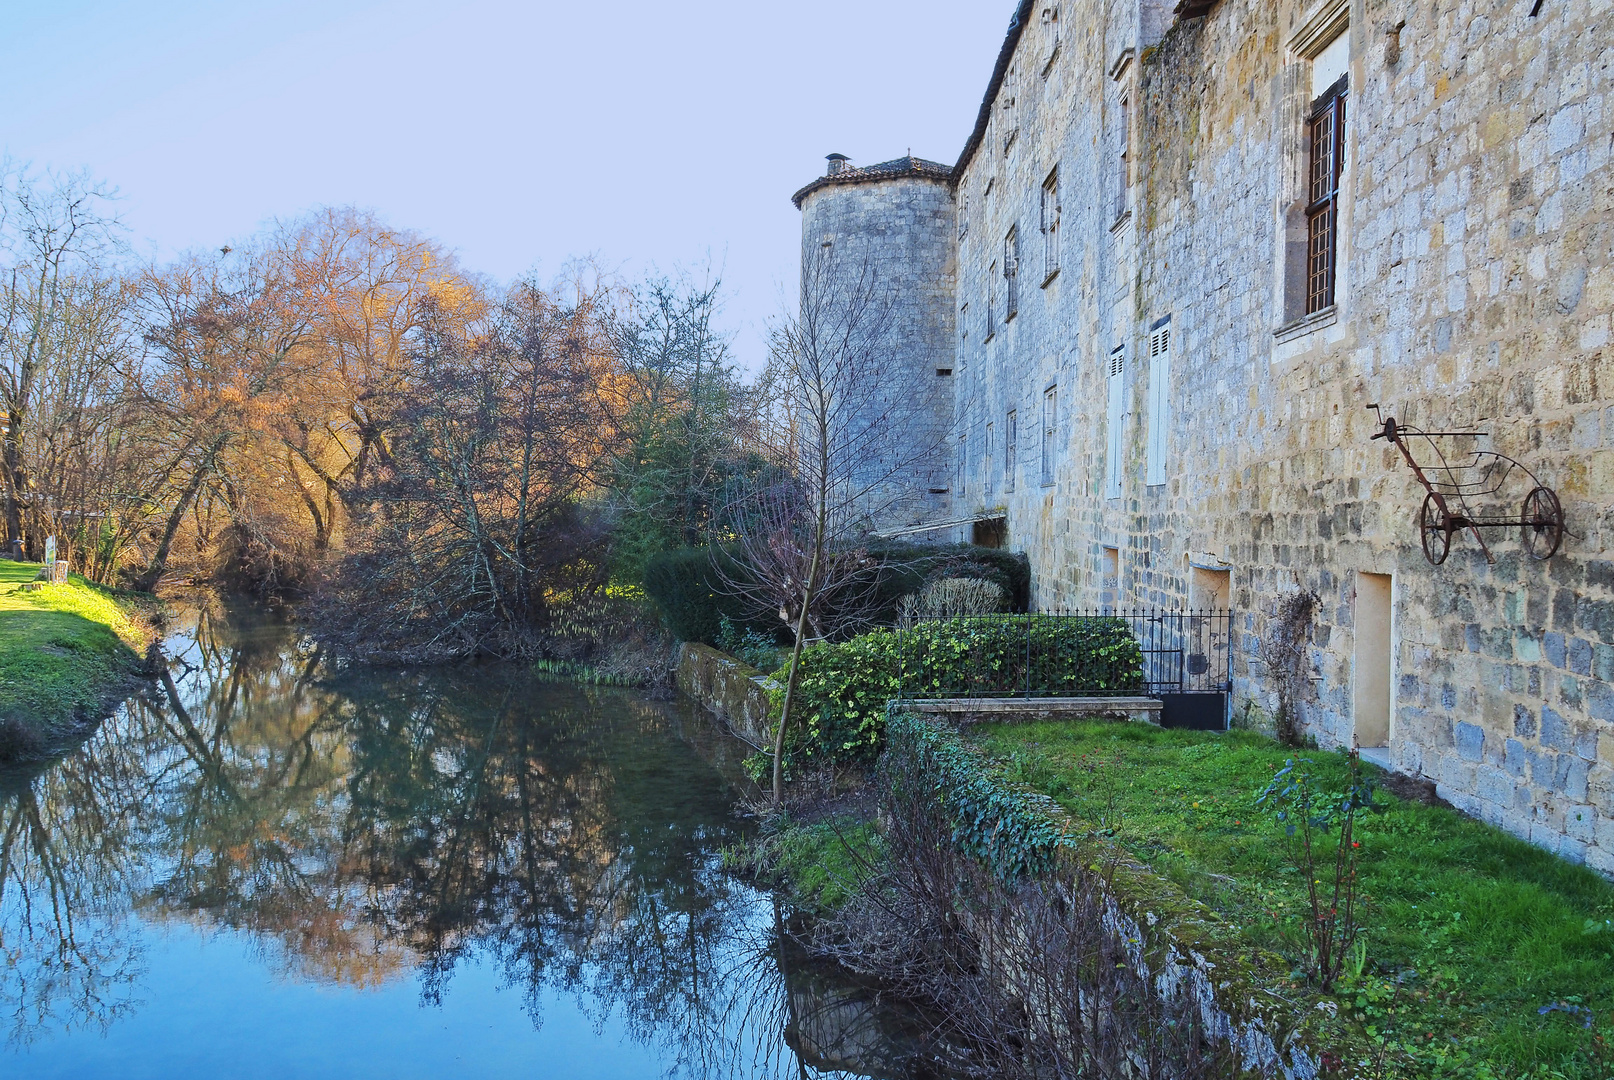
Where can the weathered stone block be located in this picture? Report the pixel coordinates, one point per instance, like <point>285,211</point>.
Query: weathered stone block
<point>1515,759</point>
<point>1580,823</point>
<point>1470,740</point>
<point>1496,786</point>
<point>1555,731</point>
<point>1572,778</point>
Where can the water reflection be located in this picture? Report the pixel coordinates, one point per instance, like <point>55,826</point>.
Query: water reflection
<point>361,829</point>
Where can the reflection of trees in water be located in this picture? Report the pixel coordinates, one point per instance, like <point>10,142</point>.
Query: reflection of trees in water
<point>361,824</point>
<point>63,879</point>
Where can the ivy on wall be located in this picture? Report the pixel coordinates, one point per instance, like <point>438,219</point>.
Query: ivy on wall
<point>1012,831</point>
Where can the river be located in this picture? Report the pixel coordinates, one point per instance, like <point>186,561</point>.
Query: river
<point>273,864</point>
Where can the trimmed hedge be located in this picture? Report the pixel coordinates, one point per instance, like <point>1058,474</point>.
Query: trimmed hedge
<point>843,689</point>
<point>687,591</point>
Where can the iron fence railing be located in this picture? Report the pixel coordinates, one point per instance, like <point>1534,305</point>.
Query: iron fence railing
<point>1067,654</point>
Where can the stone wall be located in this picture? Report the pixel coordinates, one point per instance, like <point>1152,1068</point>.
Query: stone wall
<point>1474,291</point>
<point>735,692</point>
<point>883,248</point>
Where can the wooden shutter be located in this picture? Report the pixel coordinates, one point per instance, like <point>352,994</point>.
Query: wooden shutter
<point>1159,404</point>
<point>1116,381</point>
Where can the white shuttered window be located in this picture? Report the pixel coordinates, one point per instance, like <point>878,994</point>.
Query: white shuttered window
<point>1159,403</point>
<point>1116,420</point>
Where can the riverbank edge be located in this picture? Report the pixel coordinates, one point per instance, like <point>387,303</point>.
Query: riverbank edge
<point>1238,993</point>
<point>69,656</point>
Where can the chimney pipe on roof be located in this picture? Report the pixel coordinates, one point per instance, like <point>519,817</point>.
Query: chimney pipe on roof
<point>837,164</point>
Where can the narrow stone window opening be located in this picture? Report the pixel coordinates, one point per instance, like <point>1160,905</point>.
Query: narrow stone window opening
<point>1109,570</point>
<point>1326,140</point>
<point>986,459</point>
<point>1011,273</point>
<point>1123,156</point>
<point>991,302</point>
<point>1050,226</point>
<point>1050,425</point>
<point>944,372</point>
<point>1011,440</point>
<point>962,471</point>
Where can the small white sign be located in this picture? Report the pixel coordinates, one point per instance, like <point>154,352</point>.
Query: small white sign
<point>50,553</point>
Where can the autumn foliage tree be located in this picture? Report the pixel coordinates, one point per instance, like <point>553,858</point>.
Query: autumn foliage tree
<point>476,525</point>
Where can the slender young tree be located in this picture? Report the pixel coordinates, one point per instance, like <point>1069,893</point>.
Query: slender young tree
<point>852,431</point>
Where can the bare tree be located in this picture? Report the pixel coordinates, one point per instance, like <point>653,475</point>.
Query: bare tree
<point>224,339</point>
<point>475,525</point>
<point>59,322</point>
<point>851,427</point>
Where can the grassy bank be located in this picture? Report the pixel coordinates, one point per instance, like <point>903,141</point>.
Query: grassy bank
<point>816,864</point>
<point>1485,956</point>
<point>66,653</point>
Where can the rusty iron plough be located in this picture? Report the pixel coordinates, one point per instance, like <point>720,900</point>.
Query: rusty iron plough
<point>1452,491</point>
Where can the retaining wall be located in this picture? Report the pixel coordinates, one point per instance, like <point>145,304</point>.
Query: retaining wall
<point>737,692</point>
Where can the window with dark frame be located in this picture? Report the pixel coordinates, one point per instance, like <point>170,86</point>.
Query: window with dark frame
<point>1326,136</point>
<point>1050,425</point>
<point>986,459</point>
<point>1050,225</point>
<point>963,464</point>
<point>1011,273</point>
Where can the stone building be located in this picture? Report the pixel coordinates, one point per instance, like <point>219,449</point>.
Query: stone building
<point>877,267</point>
<point>1192,243</point>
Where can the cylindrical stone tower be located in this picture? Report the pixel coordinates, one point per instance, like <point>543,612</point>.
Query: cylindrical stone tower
<point>884,235</point>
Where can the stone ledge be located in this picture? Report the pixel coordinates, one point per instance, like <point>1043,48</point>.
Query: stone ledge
<point>1307,324</point>
<point>963,712</point>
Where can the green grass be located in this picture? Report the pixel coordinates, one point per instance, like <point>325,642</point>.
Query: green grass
<point>63,649</point>
<point>819,864</point>
<point>1469,931</point>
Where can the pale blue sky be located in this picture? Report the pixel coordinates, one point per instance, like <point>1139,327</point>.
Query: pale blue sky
<point>519,134</point>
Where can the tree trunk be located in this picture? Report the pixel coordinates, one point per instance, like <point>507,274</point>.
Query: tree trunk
<point>16,478</point>
<point>147,581</point>
<point>793,677</point>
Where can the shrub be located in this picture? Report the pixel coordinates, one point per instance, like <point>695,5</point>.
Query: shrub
<point>760,650</point>
<point>843,689</point>
<point>689,594</point>
<point>949,597</point>
<point>909,566</point>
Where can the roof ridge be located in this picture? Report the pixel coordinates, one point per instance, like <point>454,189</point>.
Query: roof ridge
<point>907,165</point>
